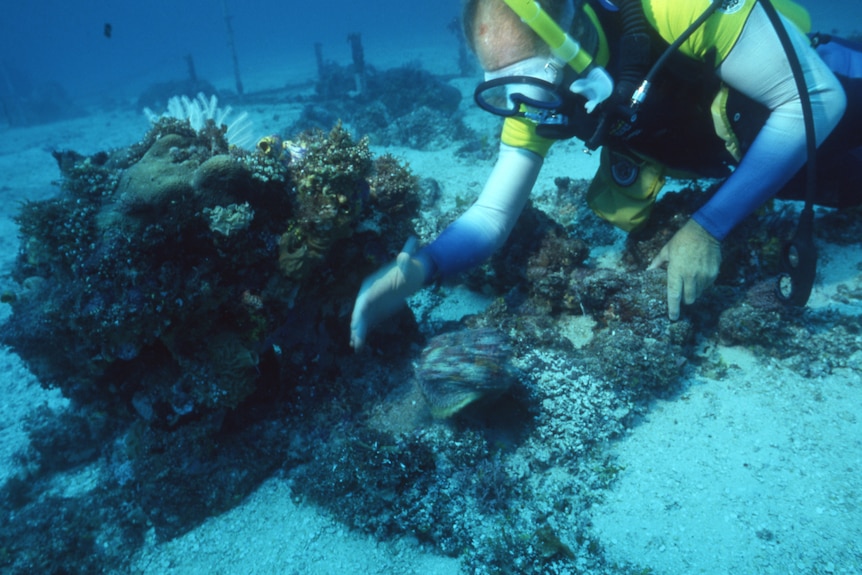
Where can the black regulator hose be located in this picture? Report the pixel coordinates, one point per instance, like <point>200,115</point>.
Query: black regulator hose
<point>799,256</point>
<point>640,94</point>
<point>635,52</point>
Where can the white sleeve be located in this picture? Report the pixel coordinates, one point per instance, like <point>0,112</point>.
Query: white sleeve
<point>486,225</point>
<point>772,83</point>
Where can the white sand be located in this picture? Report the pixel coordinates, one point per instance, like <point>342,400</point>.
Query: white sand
<point>270,533</point>
<point>754,473</point>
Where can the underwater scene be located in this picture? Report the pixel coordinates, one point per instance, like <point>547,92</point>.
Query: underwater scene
<point>278,294</point>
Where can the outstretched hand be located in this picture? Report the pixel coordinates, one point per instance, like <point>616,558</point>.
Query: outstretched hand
<point>384,292</point>
<point>693,258</point>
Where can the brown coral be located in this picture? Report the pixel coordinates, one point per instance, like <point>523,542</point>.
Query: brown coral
<point>331,186</point>
<point>158,176</point>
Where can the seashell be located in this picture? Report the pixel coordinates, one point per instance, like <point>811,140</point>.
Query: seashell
<point>457,368</point>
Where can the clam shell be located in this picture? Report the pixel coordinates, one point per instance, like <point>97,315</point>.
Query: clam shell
<point>457,368</point>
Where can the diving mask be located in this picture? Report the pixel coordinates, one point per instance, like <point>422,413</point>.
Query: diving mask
<point>541,67</point>
<point>531,82</point>
<point>557,113</point>
<point>524,96</point>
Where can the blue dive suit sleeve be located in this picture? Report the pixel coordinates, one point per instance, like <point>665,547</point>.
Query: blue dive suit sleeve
<point>460,247</point>
<point>769,163</point>
<point>484,227</point>
<point>757,67</point>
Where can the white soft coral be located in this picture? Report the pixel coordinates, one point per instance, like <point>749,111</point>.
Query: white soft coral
<point>197,111</point>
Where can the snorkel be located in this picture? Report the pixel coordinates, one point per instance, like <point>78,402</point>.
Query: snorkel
<point>561,44</point>
<point>593,82</point>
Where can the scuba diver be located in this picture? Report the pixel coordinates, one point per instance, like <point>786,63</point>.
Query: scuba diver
<point>727,89</point>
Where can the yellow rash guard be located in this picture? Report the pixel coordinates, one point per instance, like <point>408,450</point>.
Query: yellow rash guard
<point>670,18</point>
<point>521,133</point>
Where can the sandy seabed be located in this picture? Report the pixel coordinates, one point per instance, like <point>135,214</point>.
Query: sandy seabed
<point>755,472</point>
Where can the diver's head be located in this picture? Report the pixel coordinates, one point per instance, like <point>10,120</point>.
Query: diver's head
<point>534,69</point>
<point>498,36</point>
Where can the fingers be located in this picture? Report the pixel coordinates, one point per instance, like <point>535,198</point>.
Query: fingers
<point>674,283</point>
<point>693,258</point>
<point>682,288</point>
<point>674,294</point>
<point>358,325</point>
<point>382,294</point>
<point>357,342</point>
<point>370,306</point>
<point>691,290</point>
<point>658,261</point>
<point>676,286</point>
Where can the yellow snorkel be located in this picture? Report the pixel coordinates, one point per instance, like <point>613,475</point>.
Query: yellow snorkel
<point>562,45</point>
<point>593,82</point>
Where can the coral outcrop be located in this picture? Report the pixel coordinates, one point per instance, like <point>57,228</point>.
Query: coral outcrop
<point>405,106</point>
<point>161,275</point>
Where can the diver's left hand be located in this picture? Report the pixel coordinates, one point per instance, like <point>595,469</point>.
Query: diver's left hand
<point>693,258</point>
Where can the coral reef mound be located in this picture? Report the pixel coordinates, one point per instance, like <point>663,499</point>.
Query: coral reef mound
<point>163,276</point>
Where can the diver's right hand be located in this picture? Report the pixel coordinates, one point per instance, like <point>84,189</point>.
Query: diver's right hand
<point>693,259</point>
<point>384,292</point>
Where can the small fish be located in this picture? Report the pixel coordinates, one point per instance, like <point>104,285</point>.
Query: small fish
<point>108,29</point>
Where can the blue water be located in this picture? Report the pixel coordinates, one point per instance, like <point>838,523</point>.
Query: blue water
<point>60,41</point>
<point>64,42</point>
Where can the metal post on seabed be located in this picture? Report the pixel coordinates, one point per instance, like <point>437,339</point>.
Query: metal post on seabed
<point>232,45</point>
<point>355,41</point>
